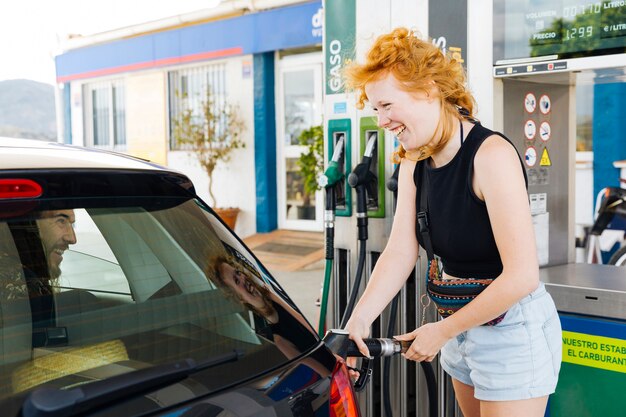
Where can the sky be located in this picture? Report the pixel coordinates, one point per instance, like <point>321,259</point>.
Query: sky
<point>30,30</point>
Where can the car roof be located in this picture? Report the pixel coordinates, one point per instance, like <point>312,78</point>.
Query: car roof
<point>37,154</point>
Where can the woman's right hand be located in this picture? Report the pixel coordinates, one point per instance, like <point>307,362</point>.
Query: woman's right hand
<point>357,330</point>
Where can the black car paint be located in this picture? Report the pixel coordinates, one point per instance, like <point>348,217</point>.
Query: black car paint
<point>288,394</point>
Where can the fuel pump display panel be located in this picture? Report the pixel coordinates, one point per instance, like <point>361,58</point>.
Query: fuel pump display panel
<point>558,29</point>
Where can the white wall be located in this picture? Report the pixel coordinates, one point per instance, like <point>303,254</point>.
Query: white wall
<point>480,58</point>
<point>410,13</point>
<point>585,200</point>
<point>77,114</point>
<point>146,115</point>
<point>234,184</point>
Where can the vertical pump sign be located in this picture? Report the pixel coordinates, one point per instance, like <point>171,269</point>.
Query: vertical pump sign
<point>447,20</point>
<point>340,27</point>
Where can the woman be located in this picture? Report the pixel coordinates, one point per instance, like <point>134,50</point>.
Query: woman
<point>480,226</point>
<point>230,274</point>
<point>238,278</point>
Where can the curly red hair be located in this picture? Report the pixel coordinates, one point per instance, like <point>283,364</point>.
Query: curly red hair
<point>416,64</point>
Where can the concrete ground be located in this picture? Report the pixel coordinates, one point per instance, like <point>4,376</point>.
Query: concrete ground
<point>303,286</point>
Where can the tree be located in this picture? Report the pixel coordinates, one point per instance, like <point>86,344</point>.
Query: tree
<point>311,162</point>
<point>210,136</point>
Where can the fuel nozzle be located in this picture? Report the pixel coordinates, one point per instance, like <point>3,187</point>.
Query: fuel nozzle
<point>361,175</point>
<point>330,180</point>
<point>364,182</point>
<point>392,184</point>
<point>332,175</point>
<point>338,342</point>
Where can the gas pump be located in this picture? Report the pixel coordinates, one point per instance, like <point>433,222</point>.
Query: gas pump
<point>538,115</point>
<point>542,99</point>
<point>365,184</point>
<point>365,142</point>
<point>530,95</point>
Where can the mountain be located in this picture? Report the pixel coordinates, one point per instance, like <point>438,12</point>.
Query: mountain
<point>27,110</point>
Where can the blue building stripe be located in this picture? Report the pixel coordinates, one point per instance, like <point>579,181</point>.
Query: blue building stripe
<point>282,28</point>
<point>265,143</point>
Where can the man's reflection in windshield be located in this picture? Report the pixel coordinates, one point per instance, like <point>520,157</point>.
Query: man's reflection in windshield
<point>40,242</point>
<point>56,229</point>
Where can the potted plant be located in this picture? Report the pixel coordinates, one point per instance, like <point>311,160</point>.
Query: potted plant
<point>211,136</point>
<point>311,164</point>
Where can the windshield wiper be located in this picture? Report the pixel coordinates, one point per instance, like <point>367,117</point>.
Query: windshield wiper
<point>55,402</point>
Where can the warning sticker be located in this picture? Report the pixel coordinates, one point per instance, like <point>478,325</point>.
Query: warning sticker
<point>544,104</point>
<point>530,156</point>
<point>530,129</point>
<point>545,158</point>
<point>530,102</point>
<point>594,351</point>
<point>545,131</point>
<point>538,203</point>
<point>538,176</point>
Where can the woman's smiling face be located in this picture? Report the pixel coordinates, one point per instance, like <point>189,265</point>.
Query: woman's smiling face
<point>237,280</point>
<point>412,117</point>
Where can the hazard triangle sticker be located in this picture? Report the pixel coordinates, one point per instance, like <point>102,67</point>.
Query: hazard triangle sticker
<point>545,158</point>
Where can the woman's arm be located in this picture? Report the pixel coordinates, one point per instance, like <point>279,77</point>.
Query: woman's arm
<point>395,263</point>
<point>498,180</point>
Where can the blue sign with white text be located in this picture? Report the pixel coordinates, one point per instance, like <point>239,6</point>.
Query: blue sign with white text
<point>281,28</point>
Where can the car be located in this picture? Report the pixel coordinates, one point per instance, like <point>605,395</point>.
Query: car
<point>123,294</point>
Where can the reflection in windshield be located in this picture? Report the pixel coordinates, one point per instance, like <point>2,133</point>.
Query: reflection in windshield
<point>68,402</point>
<point>146,286</point>
<point>234,274</point>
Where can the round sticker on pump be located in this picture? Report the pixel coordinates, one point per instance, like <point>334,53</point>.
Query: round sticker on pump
<point>530,129</point>
<point>530,156</point>
<point>544,104</point>
<point>530,102</point>
<point>545,131</point>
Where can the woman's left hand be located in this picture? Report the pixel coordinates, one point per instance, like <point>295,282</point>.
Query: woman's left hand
<point>427,342</point>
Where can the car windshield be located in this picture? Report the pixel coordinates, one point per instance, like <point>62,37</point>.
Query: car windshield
<point>102,287</point>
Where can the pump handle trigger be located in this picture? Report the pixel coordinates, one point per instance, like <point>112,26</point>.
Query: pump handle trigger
<point>365,372</point>
<point>359,174</point>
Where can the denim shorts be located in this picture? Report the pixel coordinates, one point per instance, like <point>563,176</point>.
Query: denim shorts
<point>519,358</point>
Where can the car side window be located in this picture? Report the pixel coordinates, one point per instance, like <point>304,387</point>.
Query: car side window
<point>90,264</point>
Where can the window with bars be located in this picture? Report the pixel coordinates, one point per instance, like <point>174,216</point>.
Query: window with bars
<point>188,90</point>
<point>105,114</point>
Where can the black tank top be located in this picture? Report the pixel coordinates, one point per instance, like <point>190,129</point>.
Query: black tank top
<point>460,229</point>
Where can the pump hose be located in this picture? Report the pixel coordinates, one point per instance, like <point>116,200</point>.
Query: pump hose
<point>387,364</point>
<point>357,283</point>
<point>330,255</point>
<point>431,386</point>
<point>324,302</point>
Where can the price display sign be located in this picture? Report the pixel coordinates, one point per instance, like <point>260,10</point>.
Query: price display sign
<point>559,29</point>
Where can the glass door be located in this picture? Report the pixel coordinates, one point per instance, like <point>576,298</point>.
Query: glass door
<point>299,93</point>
